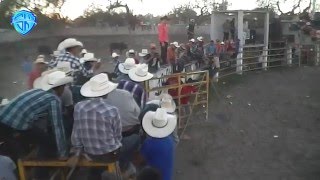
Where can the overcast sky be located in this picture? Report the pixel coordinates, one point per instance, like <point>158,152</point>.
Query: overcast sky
<point>75,8</point>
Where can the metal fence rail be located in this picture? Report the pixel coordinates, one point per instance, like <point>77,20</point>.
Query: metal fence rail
<point>275,57</point>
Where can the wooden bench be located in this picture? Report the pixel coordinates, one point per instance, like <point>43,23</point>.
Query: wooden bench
<point>24,163</point>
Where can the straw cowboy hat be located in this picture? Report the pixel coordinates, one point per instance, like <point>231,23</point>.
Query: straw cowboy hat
<point>56,53</point>
<point>68,43</point>
<point>192,40</point>
<point>166,102</point>
<point>99,85</point>
<point>159,124</point>
<point>84,51</point>
<point>88,57</point>
<point>64,67</point>
<point>176,44</point>
<point>52,79</point>
<point>128,64</point>
<point>131,51</point>
<point>140,73</point>
<point>143,53</point>
<point>40,60</point>
<point>200,38</point>
<point>4,102</point>
<point>222,43</point>
<point>114,54</point>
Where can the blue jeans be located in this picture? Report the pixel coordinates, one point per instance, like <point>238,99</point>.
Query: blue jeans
<point>130,144</point>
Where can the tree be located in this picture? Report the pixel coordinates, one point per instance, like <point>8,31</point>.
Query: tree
<point>296,8</point>
<point>200,10</point>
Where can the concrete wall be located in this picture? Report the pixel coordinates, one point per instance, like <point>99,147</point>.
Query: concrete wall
<point>13,36</point>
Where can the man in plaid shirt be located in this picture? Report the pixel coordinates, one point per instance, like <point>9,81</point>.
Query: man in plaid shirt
<point>25,114</point>
<point>73,49</point>
<point>136,89</point>
<point>97,126</point>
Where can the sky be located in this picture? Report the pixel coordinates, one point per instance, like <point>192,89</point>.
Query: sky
<point>75,8</point>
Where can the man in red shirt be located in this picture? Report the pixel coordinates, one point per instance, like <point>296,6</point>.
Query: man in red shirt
<point>163,37</point>
<point>40,65</point>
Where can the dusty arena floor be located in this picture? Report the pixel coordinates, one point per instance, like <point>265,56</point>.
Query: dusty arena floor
<point>276,138</point>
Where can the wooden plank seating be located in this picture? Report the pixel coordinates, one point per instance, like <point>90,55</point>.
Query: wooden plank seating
<point>23,164</point>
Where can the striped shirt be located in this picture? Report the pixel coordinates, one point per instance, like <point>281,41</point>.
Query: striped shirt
<point>23,112</point>
<point>136,90</point>
<point>76,66</point>
<point>97,127</point>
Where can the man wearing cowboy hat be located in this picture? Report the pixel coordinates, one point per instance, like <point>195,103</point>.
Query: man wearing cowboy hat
<point>124,69</point>
<point>88,61</point>
<point>158,148</point>
<point>137,76</point>
<point>172,55</point>
<point>39,66</point>
<point>23,114</point>
<point>129,111</point>
<point>83,52</point>
<point>166,102</point>
<point>73,50</point>
<point>152,59</point>
<point>132,54</point>
<point>97,125</point>
<point>163,36</point>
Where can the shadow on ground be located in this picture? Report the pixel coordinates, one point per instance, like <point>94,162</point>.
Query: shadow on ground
<point>276,138</point>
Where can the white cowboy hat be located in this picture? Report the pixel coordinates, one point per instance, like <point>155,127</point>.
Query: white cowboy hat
<point>176,44</point>
<point>128,64</point>
<point>140,73</point>
<point>56,53</point>
<point>68,43</point>
<point>41,56</point>
<point>167,103</point>
<point>84,51</point>
<point>131,51</point>
<point>64,66</point>
<point>143,53</point>
<point>159,124</point>
<point>37,82</point>
<point>192,40</point>
<point>52,80</point>
<point>40,60</point>
<point>88,57</point>
<point>4,102</point>
<point>114,54</point>
<point>200,38</point>
<point>99,85</point>
<point>222,43</point>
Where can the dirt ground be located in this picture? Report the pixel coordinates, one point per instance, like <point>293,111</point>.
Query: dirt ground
<point>276,138</point>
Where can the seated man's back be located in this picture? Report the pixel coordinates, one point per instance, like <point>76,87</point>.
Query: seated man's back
<point>97,127</point>
<point>128,108</point>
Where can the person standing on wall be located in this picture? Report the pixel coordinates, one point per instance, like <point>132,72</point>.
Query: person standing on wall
<point>163,38</point>
<point>226,30</point>
<point>190,28</point>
